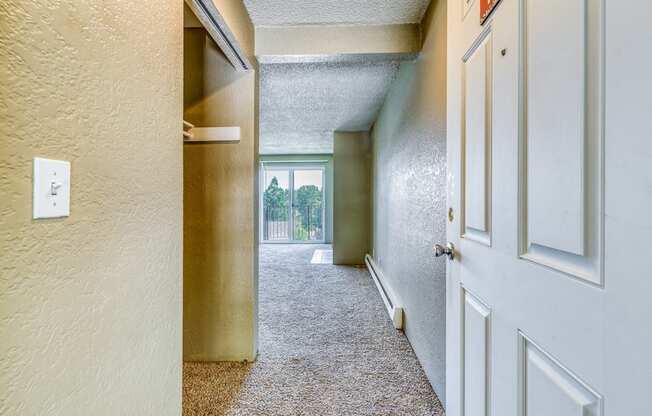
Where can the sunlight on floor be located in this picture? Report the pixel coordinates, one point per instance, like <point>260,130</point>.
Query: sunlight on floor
<point>322,257</point>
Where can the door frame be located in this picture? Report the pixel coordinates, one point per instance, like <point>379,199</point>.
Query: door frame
<point>291,167</point>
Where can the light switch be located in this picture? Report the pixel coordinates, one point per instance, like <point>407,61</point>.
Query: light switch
<point>51,188</point>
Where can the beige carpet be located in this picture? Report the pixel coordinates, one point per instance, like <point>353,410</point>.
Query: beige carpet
<point>327,347</point>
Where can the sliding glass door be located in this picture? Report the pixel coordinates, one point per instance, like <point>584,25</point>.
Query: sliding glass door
<point>276,205</point>
<point>307,204</point>
<point>292,204</point>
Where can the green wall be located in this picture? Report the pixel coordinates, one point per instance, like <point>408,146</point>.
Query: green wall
<point>220,239</point>
<point>352,204</point>
<point>409,195</point>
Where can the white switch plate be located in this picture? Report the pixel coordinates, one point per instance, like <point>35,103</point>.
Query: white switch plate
<point>51,188</point>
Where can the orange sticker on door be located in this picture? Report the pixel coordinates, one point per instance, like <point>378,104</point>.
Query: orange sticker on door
<point>486,7</point>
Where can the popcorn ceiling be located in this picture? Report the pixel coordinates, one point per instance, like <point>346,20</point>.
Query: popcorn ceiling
<point>298,12</point>
<point>301,104</point>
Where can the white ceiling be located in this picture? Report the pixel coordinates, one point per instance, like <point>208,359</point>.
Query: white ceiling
<point>304,99</point>
<point>301,104</point>
<point>309,12</point>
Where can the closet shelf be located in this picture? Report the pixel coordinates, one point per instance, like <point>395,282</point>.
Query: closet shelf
<point>212,135</point>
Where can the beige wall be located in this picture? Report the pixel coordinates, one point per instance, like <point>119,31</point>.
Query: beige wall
<point>220,250</point>
<point>236,17</point>
<point>338,39</point>
<point>90,305</point>
<point>352,197</point>
<point>409,194</point>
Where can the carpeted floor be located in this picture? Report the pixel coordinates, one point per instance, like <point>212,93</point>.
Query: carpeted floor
<point>327,347</point>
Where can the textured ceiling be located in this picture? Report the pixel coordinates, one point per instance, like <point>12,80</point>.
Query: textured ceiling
<point>301,104</point>
<point>306,12</point>
<point>304,99</point>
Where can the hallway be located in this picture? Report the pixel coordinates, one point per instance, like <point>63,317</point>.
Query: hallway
<point>326,347</point>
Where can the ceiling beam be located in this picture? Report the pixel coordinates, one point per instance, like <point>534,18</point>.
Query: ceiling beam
<point>339,40</point>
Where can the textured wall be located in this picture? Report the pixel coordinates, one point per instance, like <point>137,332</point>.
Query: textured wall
<point>90,305</point>
<point>220,247</point>
<point>352,204</point>
<point>409,157</point>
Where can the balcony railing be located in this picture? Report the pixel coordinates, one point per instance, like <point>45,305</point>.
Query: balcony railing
<point>308,224</point>
<point>276,225</point>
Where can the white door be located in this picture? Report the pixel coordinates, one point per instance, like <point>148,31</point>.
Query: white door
<point>549,297</point>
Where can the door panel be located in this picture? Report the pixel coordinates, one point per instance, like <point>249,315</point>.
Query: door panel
<point>562,106</point>
<point>547,388</point>
<point>477,140</point>
<point>564,281</point>
<point>476,360</point>
<point>555,68</point>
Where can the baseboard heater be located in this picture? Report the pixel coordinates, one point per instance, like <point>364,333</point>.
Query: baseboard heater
<point>395,311</point>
